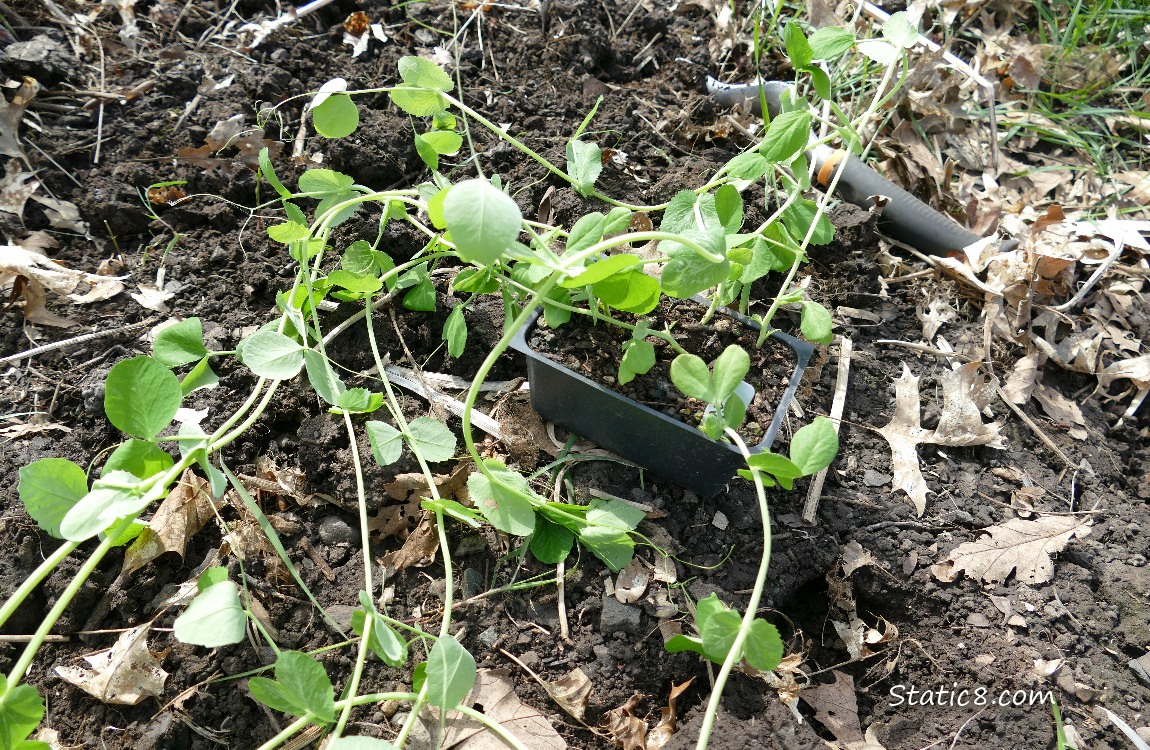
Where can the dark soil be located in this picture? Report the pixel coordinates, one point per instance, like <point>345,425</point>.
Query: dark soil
<point>1094,614</point>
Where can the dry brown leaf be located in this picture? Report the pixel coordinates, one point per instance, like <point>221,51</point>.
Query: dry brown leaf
<point>1019,546</point>
<point>938,311</point>
<point>409,490</point>
<point>904,432</point>
<point>624,728</point>
<point>966,392</point>
<point>125,674</point>
<point>668,717</point>
<point>36,310</point>
<point>571,692</point>
<point>1021,381</point>
<point>62,214</point>
<point>1062,410</point>
<point>11,112</point>
<point>20,429</point>
<point>180,516</point>
<point>29,263</point>
<point>16,188</point>
<point>836,707</point>
<point>855,556</point>
<point>632,582</point>
<point>418,549</point>
<point>494,695</point>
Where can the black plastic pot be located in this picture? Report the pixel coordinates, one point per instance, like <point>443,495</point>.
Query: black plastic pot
<point>666,446</point>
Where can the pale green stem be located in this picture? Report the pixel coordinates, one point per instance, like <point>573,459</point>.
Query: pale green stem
<point>20,668</point>
<point>736,652</point>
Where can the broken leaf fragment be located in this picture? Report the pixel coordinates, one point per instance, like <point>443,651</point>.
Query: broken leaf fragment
<point>571,692</point>
<point>125,674</point>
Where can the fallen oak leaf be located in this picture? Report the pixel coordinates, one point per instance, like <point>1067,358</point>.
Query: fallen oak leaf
<point>1020,546</point>
<point>125,674</point>
<point>668,717</point>
<point>836,708</point>
<point>624,728</point>
<point>180,516</point>
<point>571,692</point>
<point>904,432</point>
<point>494,695</point>
<point>965,394</point>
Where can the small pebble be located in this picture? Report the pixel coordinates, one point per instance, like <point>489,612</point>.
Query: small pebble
<point>334,530</point>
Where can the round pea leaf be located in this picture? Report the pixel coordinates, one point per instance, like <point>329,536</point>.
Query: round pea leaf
<point>141,397</point>
<point>482,219</point>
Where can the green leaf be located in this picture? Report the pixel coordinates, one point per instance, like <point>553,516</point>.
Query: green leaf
<point>482,219</point>
<point>587,231</point>
<point>821,82</point>
<point>336,117</point>
<point>210,577</point>
<point>638,359</point>
<point>618,220</point>
<point>691,375</point>
<point>421,72</point>
<point>786,136</point>
<point>584,164</point>
<point>382,640</point>
<point>748,166</point>
<point>214,618</point>
<point>444,142</point>
<point>614,548</point>
<point>455,510</point>
<point>180,344</point>
<point>355,282</point>
<point>816,325</point>
<point>49,488</point>
<point>112,497</point>
<point>427,152</point>
<point>687,274</point>
<point>780,467</point>
<point>718,634</point>
<point>359,401</point>
<point>680,642</point>
<point>141,396</point>
<point>455,332</point>
<point>21,711</point>
<point>421,298</point>
<point>271,355</point>
<point>729,207</point>
<point>360,259</point>
<point>766,256</point>
<point>601,269</point>
<point>899,31</point>
<point>450,673</point>
<point>763,649</point>
<point>141,458</point>
<point>288,232</point>
<point>301,688</point>
<point>729,368</point>
<point>550,542</point>
<point>504,499</point>
<point>269,173</point>
<point>556,316</point>
<point>200,376</point>
<point>815,445</point>
<point>320,182</point>
<point>798,217</point>
<point>680,212</point>
<point>830,42</point>
<point>324,381</point>
<point>706,608</point>
<point>475,280</point>
<point>386,442</point>
<point>633,292</point>
<point>798,48</point>
<point>417,102</point>
<point>614,514</point>
<point>431,439</point>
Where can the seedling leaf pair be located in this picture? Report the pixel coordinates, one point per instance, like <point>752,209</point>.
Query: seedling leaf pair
<point>423,82</point>
<point>718,626</point>
<point>428,437</point>
<point>301,688</point>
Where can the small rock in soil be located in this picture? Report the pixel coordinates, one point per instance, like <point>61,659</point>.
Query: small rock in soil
<point>341,613</point>
<point>334,530</point>
<point>489,637</point>
<point>472,583</point>
<point>41,57</point>
<point>618,617</point>
<point>872,478</point>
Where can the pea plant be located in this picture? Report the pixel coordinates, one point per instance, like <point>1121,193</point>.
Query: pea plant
<point>474,229</point>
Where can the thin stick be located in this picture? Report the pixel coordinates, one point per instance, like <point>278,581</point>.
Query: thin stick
<point>560,575</point>
<point>1034,427</point>
<point>815,493</point>
<point>73,342</point>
